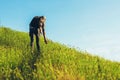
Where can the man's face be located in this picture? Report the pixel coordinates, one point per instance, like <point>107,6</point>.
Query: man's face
<point>42,20</point>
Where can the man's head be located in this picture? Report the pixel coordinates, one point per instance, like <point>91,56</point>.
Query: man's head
<point>42,19</point>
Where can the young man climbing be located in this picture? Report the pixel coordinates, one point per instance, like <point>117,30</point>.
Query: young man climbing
<point>36,27</point>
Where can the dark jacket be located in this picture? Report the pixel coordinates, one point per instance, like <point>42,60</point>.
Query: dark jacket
<point>35,22</point>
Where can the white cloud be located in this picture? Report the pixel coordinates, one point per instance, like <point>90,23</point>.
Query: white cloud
<point>104,45</point>
<point>111,52</point>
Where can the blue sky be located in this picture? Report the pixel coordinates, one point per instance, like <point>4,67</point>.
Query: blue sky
<point>91,25</point>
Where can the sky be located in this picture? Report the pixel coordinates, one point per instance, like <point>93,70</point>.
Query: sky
<point>88,25</point>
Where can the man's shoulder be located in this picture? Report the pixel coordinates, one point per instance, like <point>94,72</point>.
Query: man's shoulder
<point>36,16</point>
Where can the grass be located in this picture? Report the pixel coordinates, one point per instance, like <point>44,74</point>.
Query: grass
<point>55,62</point>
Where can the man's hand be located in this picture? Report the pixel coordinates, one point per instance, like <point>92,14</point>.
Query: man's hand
<point>45,41</point>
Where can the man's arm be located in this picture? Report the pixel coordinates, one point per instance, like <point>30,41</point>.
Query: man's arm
<point>43,30</point>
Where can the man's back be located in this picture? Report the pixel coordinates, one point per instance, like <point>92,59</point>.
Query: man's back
<point>35,22</point>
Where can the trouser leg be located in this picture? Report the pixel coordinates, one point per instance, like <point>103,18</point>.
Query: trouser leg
<point>37,42</point>
<point>32,41</point>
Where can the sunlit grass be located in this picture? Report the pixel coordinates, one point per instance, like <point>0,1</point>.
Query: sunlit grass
<point>55,62</point>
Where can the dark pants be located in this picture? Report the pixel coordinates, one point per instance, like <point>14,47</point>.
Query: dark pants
<point>36,33</point>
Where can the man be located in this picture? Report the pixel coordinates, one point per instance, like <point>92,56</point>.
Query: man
<point>36,26</point>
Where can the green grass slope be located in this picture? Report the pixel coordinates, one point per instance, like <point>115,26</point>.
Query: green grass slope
<point>55,62</point>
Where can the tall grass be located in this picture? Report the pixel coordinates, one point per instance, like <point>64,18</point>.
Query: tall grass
<point>55,62</point>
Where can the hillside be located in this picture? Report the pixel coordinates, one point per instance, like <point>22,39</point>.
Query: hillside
<point>55,62</point>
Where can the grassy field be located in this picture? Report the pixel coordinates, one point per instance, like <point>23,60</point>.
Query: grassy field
<point>55,62</point>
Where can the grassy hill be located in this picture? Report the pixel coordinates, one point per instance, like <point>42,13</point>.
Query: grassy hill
<point>55,62</point>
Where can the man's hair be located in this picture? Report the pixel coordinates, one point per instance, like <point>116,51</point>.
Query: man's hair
<point>43,17</point>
